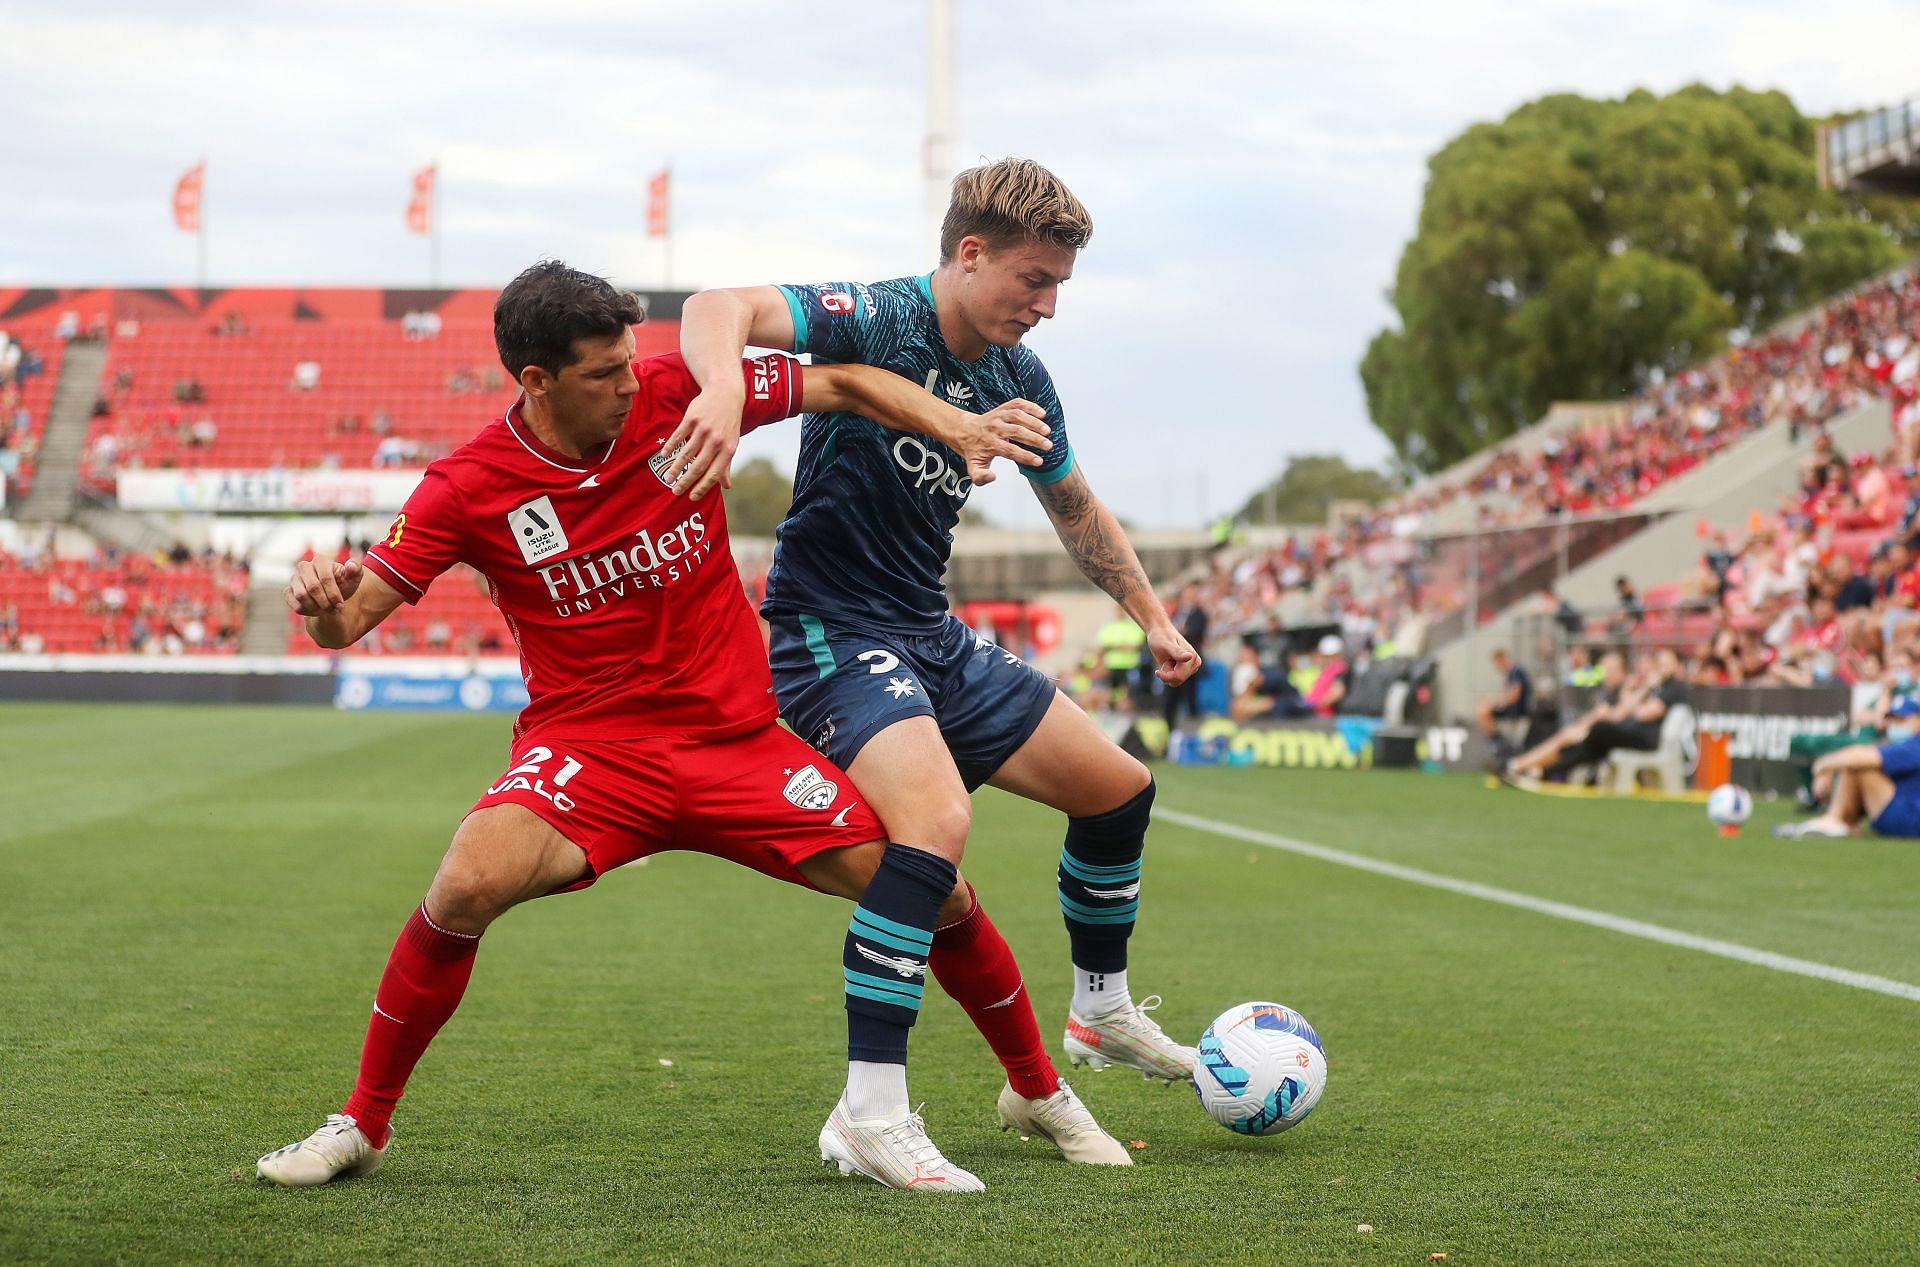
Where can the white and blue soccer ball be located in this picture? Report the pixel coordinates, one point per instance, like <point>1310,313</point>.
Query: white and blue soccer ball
<point>1730,805</point>
<point>1260,1068</point>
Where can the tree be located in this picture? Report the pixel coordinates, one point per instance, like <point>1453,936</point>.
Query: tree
<point>758,500</point>
<point>1310,484</point>
<point>1572,249</point>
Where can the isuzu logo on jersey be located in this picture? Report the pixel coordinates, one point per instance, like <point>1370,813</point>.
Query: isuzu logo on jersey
<point>809,789</point>
<point>536,530</point>
<point>654,560</point>
<point>930,470</point>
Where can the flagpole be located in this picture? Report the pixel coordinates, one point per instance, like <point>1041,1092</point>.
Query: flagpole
<point>433,223</point>
<point>200,238</point>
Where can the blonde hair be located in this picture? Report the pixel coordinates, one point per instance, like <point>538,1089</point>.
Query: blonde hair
<point>1013,200</point>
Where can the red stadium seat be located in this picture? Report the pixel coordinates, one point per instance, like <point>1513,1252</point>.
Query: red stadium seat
<point>122,603</point>
<point>1859,545</point>
<point>421,397</point>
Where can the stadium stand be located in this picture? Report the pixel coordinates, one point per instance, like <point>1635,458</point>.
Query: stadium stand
<point>30,357</point>
<point>254,390</point>
<point>179,604</point>
<point>1857,346</point>
<point>1388,581</point>
<point>1860,346</point>
<point>246,380</point>
<point>1820,586</point>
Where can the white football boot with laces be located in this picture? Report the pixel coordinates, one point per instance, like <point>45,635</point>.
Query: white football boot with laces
<point>891,1151</point>
<point>1061,1119</point>
<point>338,1150</point>
<point>1128,1036</point>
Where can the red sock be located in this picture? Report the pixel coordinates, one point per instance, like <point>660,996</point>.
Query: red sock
<point>975,966</point>
<point>425,977</point>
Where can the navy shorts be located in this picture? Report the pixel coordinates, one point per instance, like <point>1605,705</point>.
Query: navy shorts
<point>840,686</point>
<point>1900,818</point>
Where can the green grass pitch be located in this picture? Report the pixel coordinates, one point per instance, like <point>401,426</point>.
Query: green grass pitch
<point>195,904</point>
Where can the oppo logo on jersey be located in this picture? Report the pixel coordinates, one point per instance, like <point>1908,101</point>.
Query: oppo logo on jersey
<point>580,585</point>
<point>930,470</point>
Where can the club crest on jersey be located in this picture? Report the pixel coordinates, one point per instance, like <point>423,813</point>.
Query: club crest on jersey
<point>809,789</point>
<point>536,530</point>
<point>660,461</point>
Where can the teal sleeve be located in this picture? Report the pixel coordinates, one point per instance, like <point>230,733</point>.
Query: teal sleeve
<point>831,321</point>
<point>1037,385</point>
<point>1044,475</point>
<point>799,318</point>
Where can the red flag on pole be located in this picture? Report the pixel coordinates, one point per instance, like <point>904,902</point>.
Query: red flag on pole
<point>186,199</point>
<point>657,189</point>
<point>420,206</point>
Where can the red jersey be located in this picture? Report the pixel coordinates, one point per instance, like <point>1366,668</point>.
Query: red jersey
<point>622,595</point>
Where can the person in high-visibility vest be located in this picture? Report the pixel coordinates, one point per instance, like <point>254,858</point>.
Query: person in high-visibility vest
<point>1121,644</point>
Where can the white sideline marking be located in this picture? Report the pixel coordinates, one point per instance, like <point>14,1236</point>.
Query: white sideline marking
<point>1559,910</point>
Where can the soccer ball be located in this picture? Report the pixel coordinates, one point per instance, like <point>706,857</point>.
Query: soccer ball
<point>1261,1069</point>
<point>1730,805</point>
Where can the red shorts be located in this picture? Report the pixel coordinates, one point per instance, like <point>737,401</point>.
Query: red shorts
<point>763,799</point>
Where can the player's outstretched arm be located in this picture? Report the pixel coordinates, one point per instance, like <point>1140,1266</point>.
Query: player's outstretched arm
<point>1016,430</point>
<point>1093,536</point>
<point>715,328</point>
<point>1860,756</point>
<point>340,601</point>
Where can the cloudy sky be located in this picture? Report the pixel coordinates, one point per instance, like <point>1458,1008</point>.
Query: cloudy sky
<point>1253,168</point>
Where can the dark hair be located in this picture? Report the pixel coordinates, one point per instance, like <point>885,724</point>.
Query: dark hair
<point>543,311</point>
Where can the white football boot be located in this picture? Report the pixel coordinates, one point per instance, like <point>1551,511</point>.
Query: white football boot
<point>338,1150</point>
<point>891,1151</point>
<point>1061,1119</point>
<point>1128,1037</point>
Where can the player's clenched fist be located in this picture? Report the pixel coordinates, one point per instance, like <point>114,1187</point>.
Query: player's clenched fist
<point>1174,658</point>
<point>318,588</point>
<point>1017,430</point>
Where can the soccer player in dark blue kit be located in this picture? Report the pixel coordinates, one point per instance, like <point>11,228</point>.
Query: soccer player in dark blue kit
<point>867,663</point>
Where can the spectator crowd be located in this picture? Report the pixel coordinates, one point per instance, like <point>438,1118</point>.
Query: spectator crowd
<point>175,602</point>
<point>1822,588</point>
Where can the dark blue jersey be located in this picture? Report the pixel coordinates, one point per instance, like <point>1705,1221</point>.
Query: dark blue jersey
<point>867,538</point>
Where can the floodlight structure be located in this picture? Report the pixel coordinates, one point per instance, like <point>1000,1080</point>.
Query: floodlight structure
<point>936,150</point>
<point>1879,152</point>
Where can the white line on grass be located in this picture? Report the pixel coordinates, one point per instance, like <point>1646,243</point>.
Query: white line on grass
<point>1559,910</point>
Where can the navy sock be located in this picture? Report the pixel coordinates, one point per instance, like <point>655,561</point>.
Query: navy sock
<point>1100,882</point>
<point>885,956</point>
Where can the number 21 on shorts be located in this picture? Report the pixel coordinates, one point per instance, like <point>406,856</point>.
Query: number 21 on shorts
<point>528,777</point>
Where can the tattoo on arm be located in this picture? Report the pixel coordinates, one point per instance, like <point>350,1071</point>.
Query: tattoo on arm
<point>1092,536</point>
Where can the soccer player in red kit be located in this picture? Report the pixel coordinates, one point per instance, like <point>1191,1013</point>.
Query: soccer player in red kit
<point>651,720</point>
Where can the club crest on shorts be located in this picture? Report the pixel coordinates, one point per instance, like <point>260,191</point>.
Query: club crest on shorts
<point>809,789</point>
